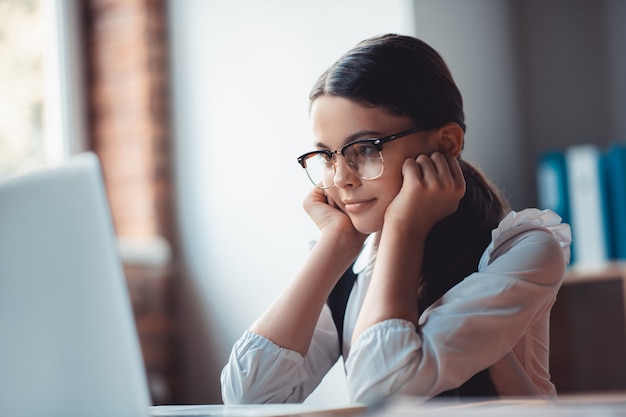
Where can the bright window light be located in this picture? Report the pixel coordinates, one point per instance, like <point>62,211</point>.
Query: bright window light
<point>41,112</point>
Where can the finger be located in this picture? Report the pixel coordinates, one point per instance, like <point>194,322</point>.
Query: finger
<point>426,166</point>
<point>441,164</point>
<point>315,196</point>
<point>318,194</point>
<point>455,167</point>
<point>331,202</point>
<point>411,169</point>
<point>457,173</point>
<point>449,168</point>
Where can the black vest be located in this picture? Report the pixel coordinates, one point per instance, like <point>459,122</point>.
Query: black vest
<point>480,385</point>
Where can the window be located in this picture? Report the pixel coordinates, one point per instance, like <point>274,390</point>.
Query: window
<point>21,85</point>
<point>40,117</point>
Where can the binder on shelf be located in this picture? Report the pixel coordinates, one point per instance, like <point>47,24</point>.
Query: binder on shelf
<point>551,177</point>
<point>616,182</point>
<point>588,206</point>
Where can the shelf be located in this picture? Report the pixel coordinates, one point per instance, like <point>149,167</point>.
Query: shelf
<point>588,331</point>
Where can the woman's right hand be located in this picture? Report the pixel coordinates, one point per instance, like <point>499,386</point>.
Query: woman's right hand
<point>291,319</point>
<point>329,218</point>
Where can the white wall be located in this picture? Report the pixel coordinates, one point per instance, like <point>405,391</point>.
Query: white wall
<point>533,74</point>
<point>476,39</point>
<point>241,75</point>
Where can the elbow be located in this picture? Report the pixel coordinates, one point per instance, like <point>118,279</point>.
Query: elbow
<point>236,388</point>
<point>232,392</point>
<point>373,394</point>
<point>366,395</point>
<point>369,395</point>
<point>366,388</point>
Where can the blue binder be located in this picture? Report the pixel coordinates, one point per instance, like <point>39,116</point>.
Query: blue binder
<point>552,183</point>
<point>616,182</point>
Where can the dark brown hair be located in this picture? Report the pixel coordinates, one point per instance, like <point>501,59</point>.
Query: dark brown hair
<point>407,77</point>
<point>400,73</point>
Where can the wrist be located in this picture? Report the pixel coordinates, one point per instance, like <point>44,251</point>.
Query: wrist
<point>410,231</point>
<point>342,243</point>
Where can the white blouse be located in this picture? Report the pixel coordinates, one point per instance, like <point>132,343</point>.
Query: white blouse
<point>497,317</point>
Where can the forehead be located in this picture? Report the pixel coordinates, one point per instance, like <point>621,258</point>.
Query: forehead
<point>337,120</point>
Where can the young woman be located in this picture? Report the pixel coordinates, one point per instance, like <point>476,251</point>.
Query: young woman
<point>420,279</point>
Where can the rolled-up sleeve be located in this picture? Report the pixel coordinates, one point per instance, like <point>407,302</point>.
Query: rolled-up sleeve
<point>260,371</point>
<point>471,327</point>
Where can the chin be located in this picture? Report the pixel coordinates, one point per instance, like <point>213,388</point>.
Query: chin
<point>367,227</point>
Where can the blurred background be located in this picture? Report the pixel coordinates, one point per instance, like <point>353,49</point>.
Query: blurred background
<point>198,110</point>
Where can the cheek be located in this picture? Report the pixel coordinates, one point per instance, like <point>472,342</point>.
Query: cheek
<point>385,192</point>
<point>333,196</point>
<point>391,181</point>
<point>387,188</point>
<point>388,193</point>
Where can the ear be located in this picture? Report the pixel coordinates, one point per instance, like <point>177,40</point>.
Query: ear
<point>450,139</point>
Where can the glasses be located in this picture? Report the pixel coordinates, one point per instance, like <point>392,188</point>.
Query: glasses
<point>363,156</point>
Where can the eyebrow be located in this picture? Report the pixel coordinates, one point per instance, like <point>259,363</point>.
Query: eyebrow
<point>362,134</point>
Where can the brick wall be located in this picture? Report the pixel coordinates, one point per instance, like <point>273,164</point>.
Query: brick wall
<point>127,94</point>
<point>127,72</point>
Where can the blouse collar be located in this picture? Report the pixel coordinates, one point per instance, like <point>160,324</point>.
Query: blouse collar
<point>367,256</point>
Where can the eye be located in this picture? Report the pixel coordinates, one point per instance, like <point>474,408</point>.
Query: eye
<point>326,156</point>
<point>365,150</point>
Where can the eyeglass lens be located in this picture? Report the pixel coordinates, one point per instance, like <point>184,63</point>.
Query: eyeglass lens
<point>364,159</point>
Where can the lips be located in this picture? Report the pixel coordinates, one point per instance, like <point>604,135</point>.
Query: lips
<point>356,206</point>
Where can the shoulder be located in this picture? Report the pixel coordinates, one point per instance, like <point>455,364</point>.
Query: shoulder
<point>528,240</point>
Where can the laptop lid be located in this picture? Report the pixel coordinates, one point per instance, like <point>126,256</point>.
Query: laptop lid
<point>68,342</point>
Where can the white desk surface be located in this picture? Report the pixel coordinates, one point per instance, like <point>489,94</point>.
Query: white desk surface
<point>604,405</point>
<point>257,410</point>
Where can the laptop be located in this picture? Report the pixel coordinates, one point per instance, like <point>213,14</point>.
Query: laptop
<point>68,342</point>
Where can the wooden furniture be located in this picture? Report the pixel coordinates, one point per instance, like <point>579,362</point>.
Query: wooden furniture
<point>588,332</point>
<point>150,290</point>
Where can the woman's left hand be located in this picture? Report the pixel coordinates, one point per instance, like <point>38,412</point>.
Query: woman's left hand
<point>432,188</point>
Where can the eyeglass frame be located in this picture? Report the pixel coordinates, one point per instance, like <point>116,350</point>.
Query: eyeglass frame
<point>377,142</point>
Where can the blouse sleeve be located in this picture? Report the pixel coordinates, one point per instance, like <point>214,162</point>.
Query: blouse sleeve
<point>259,371</point>
<point>475,323</point>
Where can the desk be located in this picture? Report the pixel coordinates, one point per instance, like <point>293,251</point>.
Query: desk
<point>588,332</point>
<point>259,410</point>
<point>607,405</point>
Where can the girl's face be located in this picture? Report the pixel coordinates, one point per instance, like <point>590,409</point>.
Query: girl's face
<point>337,121</point>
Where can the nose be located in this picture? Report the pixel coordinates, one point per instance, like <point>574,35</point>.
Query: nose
<point>344,176</point>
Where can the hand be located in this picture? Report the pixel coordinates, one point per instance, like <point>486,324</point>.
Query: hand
<point>329,218</point>
<point>432,188</point>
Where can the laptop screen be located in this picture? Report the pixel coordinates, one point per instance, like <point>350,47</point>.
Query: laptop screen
<point>68,343</point>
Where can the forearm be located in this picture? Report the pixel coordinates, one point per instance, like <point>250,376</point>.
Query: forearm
<point>258,371</point>
<point>394,287</point>
<point>290,320</point>
<point>479,320</point>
